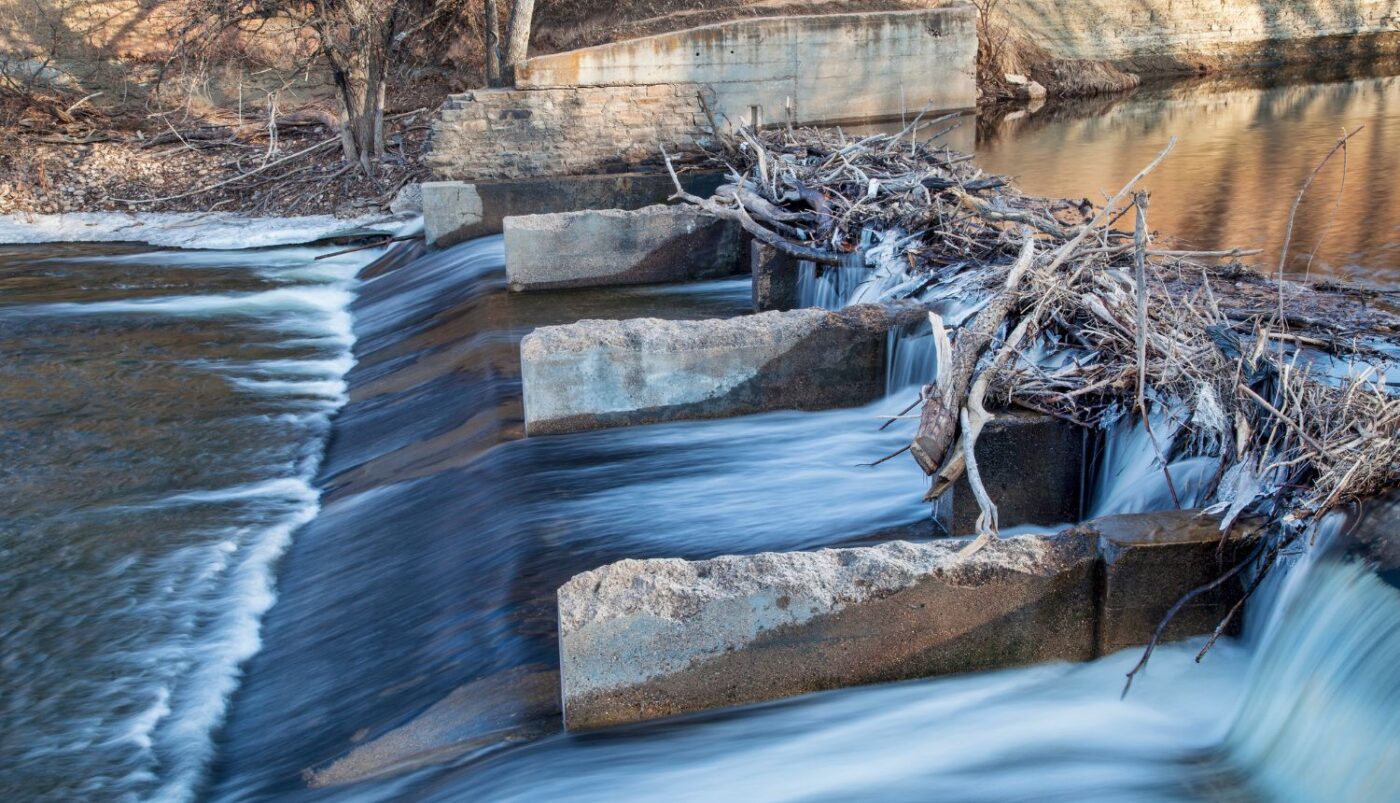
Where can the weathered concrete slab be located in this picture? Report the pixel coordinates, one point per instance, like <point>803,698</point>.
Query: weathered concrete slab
<point>454,211</point>
<point>775,278</point>
<point>1031,464</point>
<point>597,374</point>
<point>646,639</point>
<point>1151,560</point>
<point>597,248</point>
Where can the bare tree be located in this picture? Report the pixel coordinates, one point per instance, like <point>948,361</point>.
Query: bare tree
<point>358,40</point>
<point>493,44</point>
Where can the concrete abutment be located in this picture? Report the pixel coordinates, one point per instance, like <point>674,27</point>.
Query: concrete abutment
<point>599,374</point>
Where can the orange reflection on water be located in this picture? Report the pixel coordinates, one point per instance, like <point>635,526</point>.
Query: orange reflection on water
<point>1243,153</point>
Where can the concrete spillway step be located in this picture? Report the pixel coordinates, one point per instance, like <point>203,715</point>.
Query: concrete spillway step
<point>608,247</point>
<point>642,639</point>
<point>597,374</point>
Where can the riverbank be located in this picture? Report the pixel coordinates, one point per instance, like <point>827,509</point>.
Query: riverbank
<point>202,166</point>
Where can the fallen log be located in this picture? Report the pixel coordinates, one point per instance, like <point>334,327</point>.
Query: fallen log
<point>938,424</point>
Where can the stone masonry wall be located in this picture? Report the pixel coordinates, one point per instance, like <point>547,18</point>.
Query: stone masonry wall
<point>511,133</point>
<point>608,108</point>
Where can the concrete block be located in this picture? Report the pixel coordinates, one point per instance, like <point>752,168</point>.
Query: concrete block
<point>597,374</point>
<point>775,278</point>
<point>646,639</point>
<point>1032,466</point>
<point>454,211</point>
<point>1150,560</point>
<point>451,211</point>
<point>599,248</point>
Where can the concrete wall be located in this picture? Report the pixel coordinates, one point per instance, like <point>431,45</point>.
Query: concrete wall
<point>1214,29</point>
<point>597,374</point>
<point>1149,560</point>
<point>646,639</point>
<point>775,278</point>
<point>611,107</point>
<point>825,68</point>
<point>608,247</point>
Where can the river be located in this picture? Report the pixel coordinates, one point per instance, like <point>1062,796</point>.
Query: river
<point>171,470</point>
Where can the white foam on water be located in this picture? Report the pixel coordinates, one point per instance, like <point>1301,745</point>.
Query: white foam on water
<point>325,389</point>
<point>282,300</point>
<point>1318,720</point>
<point>209,597</point>
<point>193,230</point>
<point>296,489</point>
<point>1048,732</point>
<point>185,737</point>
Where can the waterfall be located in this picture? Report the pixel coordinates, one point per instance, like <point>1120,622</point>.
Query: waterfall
<point>911,358</point>
<point>1318,719</point>
<point>1130,477</point>
<point>826,286</point>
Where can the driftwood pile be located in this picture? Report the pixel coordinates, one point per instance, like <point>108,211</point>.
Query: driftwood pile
<point>1085,317</point>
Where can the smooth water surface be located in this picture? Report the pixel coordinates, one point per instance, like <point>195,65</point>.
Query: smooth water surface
<point>1245,149</point>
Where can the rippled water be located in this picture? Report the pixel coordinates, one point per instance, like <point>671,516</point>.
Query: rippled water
<point>162,415</point>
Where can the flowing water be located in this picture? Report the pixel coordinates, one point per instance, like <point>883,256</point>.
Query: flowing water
<point>164,416</point>
<point>168,453</point>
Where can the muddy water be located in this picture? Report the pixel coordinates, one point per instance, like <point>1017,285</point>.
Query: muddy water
<point>1244,151</point>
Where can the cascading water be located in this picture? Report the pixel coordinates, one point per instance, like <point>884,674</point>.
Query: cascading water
<point>165,443</point>
<point>1130,476</point>
<point>1318,720</point>
<point>168,411</point>
<point>828,287</point>
<point>911,358</point>
<point>414,629</point>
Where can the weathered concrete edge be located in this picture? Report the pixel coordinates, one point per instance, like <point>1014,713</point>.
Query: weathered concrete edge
<point>811,621</point>
<point>600,374</point>
<point>524,78</point>
<point>743,629</point>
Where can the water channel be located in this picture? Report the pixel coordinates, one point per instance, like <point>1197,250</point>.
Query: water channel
<point>269,530</point>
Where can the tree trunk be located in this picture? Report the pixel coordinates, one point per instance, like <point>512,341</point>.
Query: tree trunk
<point>362,90</point>
<point>518,46</point>
<point>493,44</point>
<point>348,114</point>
